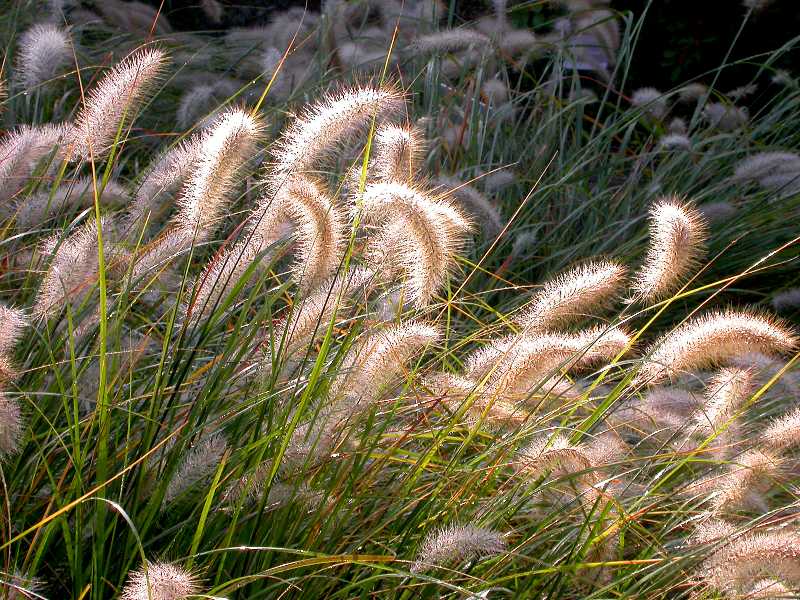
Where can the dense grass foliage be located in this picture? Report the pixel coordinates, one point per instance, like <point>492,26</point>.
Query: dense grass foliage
<point>356,305</point>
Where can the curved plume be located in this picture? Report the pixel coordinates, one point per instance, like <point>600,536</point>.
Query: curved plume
<point>114,101</point>
<point>740,564</point>
<point>72,271</point>
<point>783,433</point>
<point>455,390</point>
<point>44,206</point>
<point>321,128</point>
<point>677,235</point>
<point>518,363</point>
<point>300,210</point>
<point>423,236</point>
<point>475,204</point>
<point>712,339</point>
<point>21,150</point>
<point>743,484</point>
<point>162,581</point>
<point>573,295</point>
<point>198,465</point>
<point>456,544</point>
<point>224,150</point>
<point>727,391</point>
<point>382,359</point>
<point>44,50</point>
<point>396,152</point>
<point>168,171</point>
<point>310,317</point>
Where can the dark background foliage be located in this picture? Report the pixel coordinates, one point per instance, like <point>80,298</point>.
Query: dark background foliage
<point>698,34</point>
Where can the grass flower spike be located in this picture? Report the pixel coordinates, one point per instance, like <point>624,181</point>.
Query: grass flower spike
<point>677,235</point>
<point>114,101</point>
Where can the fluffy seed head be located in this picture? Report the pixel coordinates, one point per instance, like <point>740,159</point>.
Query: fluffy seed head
<point>13,323</point>
<point>199,464</point>
<point>115,100</point>
<point>675,141</point>
<point>712,339</point>
<point>42,207</point>
<point>725,117</point>
<point>573,295</point>
<point>224,149</point>
<point>651,100</point>
<point>420,235</point>
<point>475,204</point>
<point>456,544</point>
<point>783,433</point>
<point>72,272</point>
<point>20,152</point>
<point>322,127</point>
<point>160,581</point>
<point>10,424</point>
<point>517,365</point>
<point>44,50</point>
<point>451,40</point>
<point>737,566</point>
<point>725,393</point>
<point>396,152</point>
<point>677,235</point>
<point>383,358</point>
<point>762,164</point>
<point>692,92</point>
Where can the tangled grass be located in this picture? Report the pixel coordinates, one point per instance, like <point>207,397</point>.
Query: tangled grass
<point>356,304</point>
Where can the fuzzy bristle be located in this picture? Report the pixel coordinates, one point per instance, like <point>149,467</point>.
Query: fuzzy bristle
<point>396,152</point>
<point>711,339</point>
<point>677,235</point>
<point>114,101</point>
<point>736,567</point>
<point>223,152</point>
<point>575,294</point>
<point>457,543</point>
<point>382,359</point>
<point>423,236</point>
<point>475,204</point>
<point>10,424</point>
<point>21,151</point>
<point>160,581</point>
<point>198,465</point>
<point>44,51</point>
<point>323,126</point>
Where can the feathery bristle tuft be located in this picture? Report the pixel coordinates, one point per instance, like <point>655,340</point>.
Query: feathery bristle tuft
<point>456,544</point>
<point>712,339</point>
<point>396,153</point>
<point>739,565</point>
<point>21,151</point>
<point>475,204</point>
<point>160,581</point>
<point>114,102</point>
<point>571,295</point>
<point>423,236</point>
<point>13,322</point>
<point>44,50</point>
<point>322,127</point>
<point>381,359</point>
<point>10,424</point>
<point>224,149</point>
<point>677,235</point>
<point>199,464</point>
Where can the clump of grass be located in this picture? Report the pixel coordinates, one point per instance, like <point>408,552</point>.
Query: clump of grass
<point>268,348</point>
